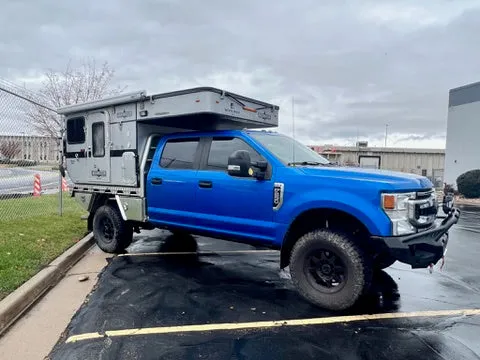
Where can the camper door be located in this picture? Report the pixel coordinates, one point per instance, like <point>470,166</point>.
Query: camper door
<point>98,149</point>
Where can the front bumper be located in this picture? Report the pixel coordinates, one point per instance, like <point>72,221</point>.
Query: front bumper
<point>421,249</point>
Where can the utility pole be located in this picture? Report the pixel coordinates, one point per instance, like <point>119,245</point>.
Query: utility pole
<point>293,128</point>
<point>386,134</point>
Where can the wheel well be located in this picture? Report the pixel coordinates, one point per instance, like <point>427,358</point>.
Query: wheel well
<point>98,201</point>
<point>319,219</point>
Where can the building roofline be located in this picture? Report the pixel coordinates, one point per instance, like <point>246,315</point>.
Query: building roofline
<point>474,84</point>
<point>464,95</point>
<point>328,148</point>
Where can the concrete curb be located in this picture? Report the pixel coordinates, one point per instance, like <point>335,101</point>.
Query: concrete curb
<point>15,304</point>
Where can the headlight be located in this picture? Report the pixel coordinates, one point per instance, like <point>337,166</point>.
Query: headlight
<point>396,208</point>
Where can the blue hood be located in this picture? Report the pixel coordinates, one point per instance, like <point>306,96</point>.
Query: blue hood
<point>388,180</point>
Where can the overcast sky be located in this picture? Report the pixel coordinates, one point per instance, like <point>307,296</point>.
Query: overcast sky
<point>351,66</point>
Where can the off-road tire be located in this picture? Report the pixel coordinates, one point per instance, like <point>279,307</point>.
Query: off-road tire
<point>357,267</point>
<point>121,232</point>
<point>382,261</point>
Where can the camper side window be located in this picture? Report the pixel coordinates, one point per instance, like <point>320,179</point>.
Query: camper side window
<point>98,139</point>
<point>76,130</point>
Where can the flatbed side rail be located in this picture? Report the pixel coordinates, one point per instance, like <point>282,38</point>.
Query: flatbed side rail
<point>107,189</point>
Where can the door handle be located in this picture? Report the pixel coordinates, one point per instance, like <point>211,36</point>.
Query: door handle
<point>205,184</point>
<point>156,181</point>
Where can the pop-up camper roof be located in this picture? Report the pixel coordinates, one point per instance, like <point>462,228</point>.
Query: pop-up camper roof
<point>198,109</point>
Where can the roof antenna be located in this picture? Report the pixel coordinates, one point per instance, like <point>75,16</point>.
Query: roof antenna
<point>293,129</point>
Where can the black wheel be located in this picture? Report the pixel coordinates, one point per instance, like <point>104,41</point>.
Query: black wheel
<point>329,270</point>
<point>112,234</point>
<point>382,261</point>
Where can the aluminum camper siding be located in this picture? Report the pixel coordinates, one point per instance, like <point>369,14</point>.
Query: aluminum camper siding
<point>463,129</point>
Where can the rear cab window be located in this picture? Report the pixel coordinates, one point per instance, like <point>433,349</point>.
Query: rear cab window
<point>179,153</point>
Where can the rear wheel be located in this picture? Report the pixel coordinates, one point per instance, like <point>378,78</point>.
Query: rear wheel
<point>112,234</point>
<point>329,270</point>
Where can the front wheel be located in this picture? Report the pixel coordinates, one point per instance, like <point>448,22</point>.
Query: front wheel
<point>329,270</point>
<point>112,234</point>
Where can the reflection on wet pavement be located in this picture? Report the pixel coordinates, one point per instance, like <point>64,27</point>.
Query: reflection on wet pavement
<point>470,217</point>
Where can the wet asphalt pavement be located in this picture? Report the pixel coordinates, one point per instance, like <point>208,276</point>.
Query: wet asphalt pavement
<point>151,291</point>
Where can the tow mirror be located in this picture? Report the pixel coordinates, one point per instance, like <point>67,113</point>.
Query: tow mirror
<point>447,205</point>
<point>260,165</point>
<point>239,164</point>
<point>260,168</point>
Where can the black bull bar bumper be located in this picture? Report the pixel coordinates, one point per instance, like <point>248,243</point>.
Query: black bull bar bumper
<point>423,248</point>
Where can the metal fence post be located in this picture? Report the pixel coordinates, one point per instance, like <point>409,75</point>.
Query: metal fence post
<point>60,163</point>
<point>60,194</point>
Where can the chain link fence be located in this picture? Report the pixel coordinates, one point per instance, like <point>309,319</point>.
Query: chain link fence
<point>30,180</point>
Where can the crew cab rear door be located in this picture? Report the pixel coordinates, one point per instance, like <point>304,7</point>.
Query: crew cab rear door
<point>171,181</point>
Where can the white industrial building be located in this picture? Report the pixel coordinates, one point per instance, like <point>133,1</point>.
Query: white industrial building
<point>463,129</point>
<point>426,162</point>
<point>41,149</point>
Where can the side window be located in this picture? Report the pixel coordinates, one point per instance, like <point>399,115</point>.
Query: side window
<point>76,130</point>
<point>98,139</point>
<point>179,154</point>
<point>222,148</point>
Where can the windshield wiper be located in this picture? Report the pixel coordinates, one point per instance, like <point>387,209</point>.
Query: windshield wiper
<point>305,163</point>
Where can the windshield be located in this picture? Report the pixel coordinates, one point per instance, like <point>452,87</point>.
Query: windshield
<point>288,150</point>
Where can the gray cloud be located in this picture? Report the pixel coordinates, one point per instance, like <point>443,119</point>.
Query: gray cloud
<point>352,66</point>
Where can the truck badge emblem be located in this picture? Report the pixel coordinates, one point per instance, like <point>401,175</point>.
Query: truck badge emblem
<point>278,189</point>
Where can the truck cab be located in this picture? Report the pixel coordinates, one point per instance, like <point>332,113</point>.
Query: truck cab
<point>333,225</point>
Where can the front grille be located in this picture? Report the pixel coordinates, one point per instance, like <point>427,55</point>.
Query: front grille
<point>422,211</point>
<point>426,194</point>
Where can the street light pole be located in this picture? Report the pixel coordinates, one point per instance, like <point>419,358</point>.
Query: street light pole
<point>386,134</point>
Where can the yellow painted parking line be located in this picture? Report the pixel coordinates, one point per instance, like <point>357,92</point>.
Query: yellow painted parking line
<point>270,324</point>
<point>224,252</point>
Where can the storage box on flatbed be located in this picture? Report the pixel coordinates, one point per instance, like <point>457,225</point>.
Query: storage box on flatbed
<point>108,141</point>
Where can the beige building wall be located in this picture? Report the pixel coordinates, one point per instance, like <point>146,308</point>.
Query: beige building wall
<point>36,148</point>
<point>426,162</point>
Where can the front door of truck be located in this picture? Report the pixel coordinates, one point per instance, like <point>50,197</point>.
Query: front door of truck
<point>232,205</point>
<point>98,147</point>
<point>171,181</point>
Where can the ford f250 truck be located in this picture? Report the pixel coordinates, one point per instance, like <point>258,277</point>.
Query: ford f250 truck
<point>185,161</point>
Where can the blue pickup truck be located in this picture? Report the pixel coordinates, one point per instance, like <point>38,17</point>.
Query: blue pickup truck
<point>333,225</point>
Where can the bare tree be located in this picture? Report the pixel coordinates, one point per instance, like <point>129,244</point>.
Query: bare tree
<point>10,148</point>
<point>70,86</point>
